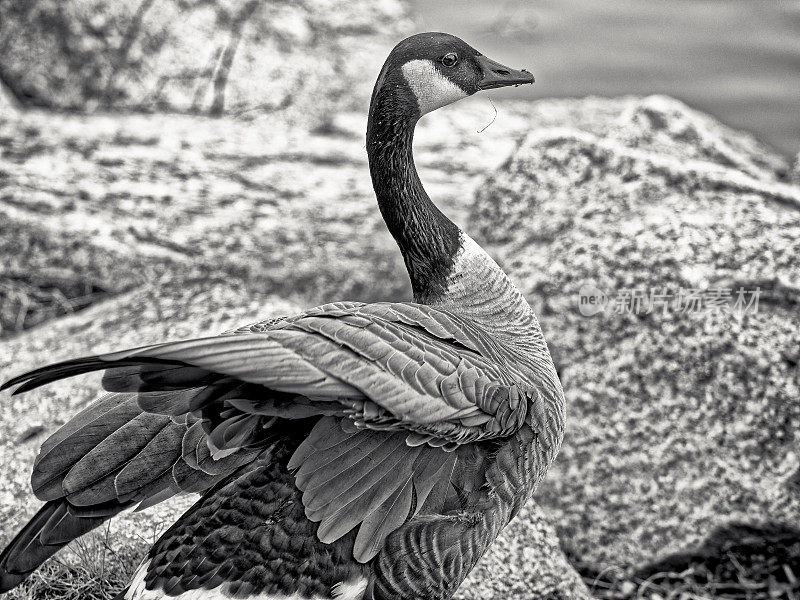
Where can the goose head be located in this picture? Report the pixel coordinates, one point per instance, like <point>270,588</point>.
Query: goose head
<point>422,73</point>
<point>430,70</point>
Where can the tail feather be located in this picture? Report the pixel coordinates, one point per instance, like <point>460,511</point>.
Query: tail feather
<point>52,528</point>
<point>139,374</point>
<point>153,375</point>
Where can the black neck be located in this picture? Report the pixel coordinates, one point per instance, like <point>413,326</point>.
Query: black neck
<point>428,240</point>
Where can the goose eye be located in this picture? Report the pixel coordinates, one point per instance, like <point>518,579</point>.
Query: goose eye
<point>450,59</point>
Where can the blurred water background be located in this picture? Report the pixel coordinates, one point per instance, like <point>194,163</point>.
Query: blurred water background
<point>736,59</point>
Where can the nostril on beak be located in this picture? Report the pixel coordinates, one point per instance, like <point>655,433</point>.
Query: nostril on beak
<point>496,75</point>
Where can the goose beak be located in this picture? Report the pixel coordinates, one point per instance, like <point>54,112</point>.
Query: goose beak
<point>496,75</point>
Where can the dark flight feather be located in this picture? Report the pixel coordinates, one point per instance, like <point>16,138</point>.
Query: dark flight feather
<point>53,527</point>
<point>84,433</point>
<point>112,454</point>
<point>152,462</point>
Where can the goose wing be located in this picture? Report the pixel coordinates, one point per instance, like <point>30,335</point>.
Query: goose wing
<point>387,366</point>
<point>394,389</point>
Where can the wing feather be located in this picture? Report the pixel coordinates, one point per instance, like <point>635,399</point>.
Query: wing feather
<point>365,479</point>
<point>152,462</point>
<point>171,402</point>
<point>56,459</point>
<point>395,389</point>
<point>417,377</point>
<point>378,525</point>
<point>359,476</point>
<point>114,453</point>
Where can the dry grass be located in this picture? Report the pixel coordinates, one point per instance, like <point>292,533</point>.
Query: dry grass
<point>27,300</point>
<point>92,569</point>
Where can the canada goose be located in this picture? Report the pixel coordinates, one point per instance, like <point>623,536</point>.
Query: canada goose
<point>351,451</point>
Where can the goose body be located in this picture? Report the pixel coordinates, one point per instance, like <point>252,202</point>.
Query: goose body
<point>353,451</point>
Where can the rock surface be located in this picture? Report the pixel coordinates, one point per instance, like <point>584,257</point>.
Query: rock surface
<point>180,226</point>
<point>794,174</point>
<point>216,56</point>
<point>184,226</point>
<point>678,420</point>
<point>95,206</point>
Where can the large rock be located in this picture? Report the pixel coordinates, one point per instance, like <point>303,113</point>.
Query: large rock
<point>95,206</point>
<point>187,226</point>
<point>677,421</point>
<point>305,58</point>
<point>92,206</point>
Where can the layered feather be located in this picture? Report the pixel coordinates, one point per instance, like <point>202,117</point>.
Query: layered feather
<point>373,481</point>
<point>396,388</point>
<point>404,362</point>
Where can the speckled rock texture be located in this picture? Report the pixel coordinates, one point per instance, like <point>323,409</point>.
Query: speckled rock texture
<point>678,421</point>
<point>207,56</point>
<point>794,174</point>
<point>187,226</point>
<point>99,205</point>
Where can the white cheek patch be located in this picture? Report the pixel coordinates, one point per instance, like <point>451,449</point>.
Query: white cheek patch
<point>430,87</point>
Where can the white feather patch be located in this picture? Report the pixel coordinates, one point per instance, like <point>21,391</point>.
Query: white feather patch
<point>472,272</point>
<point>431,89</point>
<point>136,588</point>
<point>351,590</point>
<point>470,255</point>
